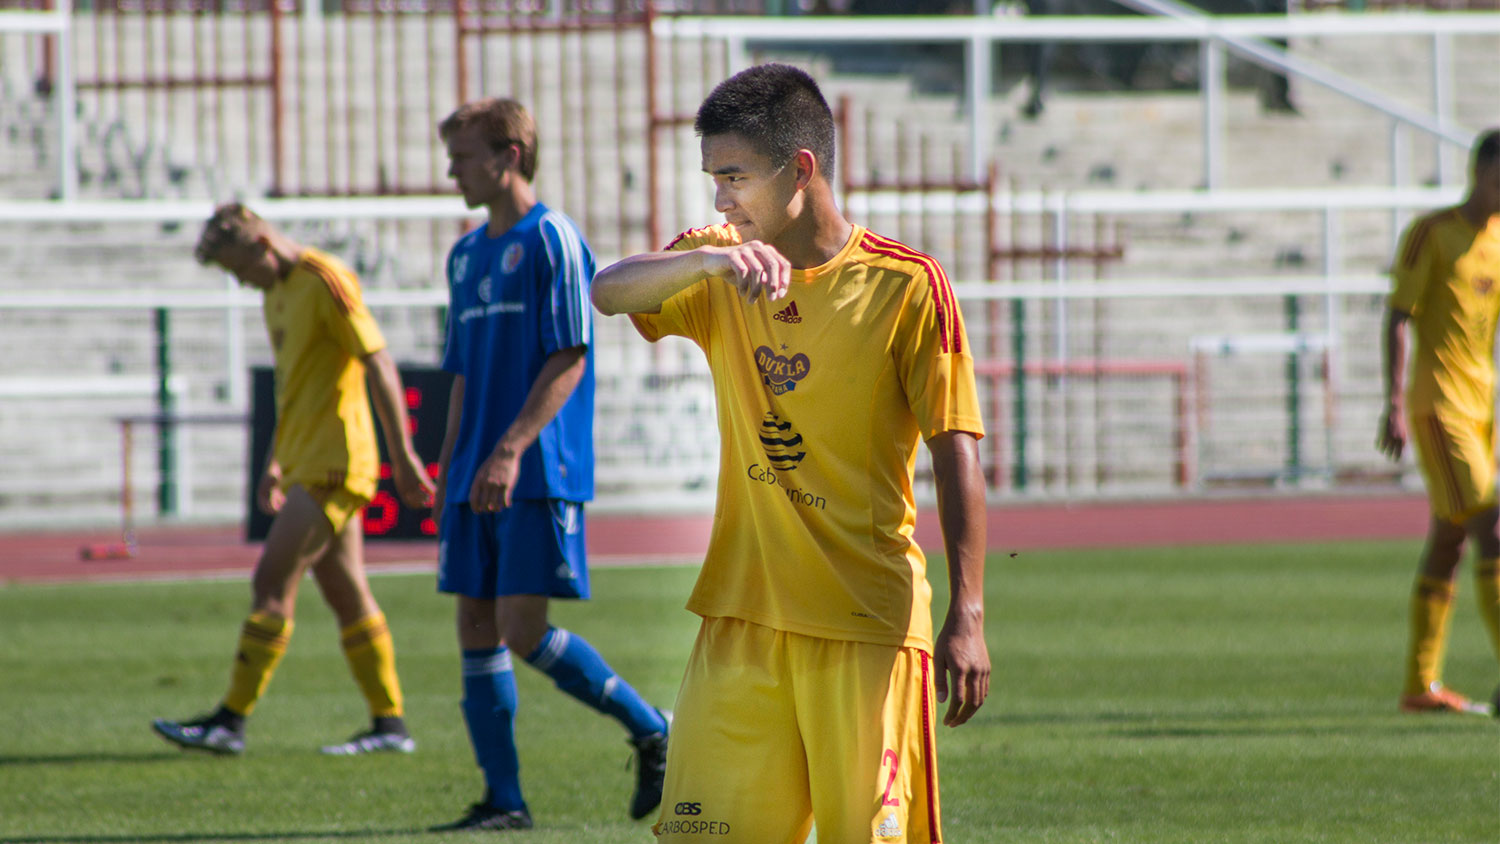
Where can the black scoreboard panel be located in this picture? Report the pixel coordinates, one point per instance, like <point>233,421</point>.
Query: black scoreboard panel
<point>427,389</point>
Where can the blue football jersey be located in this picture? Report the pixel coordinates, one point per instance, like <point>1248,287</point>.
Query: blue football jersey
<point>513,301</point>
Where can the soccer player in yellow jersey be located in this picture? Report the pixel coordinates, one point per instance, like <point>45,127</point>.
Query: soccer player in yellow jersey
<point>808,694</point>
<point>1446,275</point>
<point>321,472</point>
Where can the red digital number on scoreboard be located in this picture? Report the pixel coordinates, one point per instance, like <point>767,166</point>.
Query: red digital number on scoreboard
<point>383,512</point>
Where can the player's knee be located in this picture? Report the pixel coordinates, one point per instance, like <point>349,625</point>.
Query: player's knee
<point>1483,528</point>
<point>523,635</point>
<point>476,625</point>
<point>1441,559</point>
<point>268,587</point>
<point>271,604</point>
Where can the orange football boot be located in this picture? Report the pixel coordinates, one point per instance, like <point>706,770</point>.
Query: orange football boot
<point>1440,698</point>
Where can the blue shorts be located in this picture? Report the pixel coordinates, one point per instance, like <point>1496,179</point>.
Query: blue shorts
<point>533,547</point>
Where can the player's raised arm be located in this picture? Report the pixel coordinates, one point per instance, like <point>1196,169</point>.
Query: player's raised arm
<point>639,284</point>
<point>961,659</point>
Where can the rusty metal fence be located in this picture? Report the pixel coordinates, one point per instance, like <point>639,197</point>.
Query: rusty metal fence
<point>183,98</point>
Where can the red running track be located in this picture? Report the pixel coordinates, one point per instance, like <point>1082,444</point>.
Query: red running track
<point>183,552</point>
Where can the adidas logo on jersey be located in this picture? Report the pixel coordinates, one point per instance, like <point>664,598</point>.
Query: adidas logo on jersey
<point>788,314</point>
<point>889,828</point>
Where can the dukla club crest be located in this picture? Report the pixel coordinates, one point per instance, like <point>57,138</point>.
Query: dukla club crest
<point>781,373</point>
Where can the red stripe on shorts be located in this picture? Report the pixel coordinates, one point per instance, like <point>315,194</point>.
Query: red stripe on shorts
<point>929,752</point>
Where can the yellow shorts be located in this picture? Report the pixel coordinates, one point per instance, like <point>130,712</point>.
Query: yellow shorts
<point>339,504</point>
<point>773,728</point>
<point>1457,456</point>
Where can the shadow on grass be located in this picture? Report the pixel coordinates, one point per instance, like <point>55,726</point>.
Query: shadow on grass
<point>1166,725</point>
<point>183,837</point>
<point>1385,729</point>
<point>85,758</point>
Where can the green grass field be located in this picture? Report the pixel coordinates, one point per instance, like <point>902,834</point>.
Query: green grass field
<point>1187,695</point>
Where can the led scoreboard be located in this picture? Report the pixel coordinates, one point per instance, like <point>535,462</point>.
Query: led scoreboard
<point>386,517</point>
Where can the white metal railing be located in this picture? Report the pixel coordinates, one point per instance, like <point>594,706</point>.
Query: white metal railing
<point>1266,54</point>
<point>1244,33</point>
<point>1330,204</point>
<point>1333,287</point>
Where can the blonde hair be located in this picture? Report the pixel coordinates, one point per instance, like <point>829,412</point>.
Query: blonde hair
<point>232,224</point>
<point>501,122</point>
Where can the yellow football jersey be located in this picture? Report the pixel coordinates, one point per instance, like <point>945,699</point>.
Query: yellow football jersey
<point>1445,277</point>
<point>821,398</point>
<point>320,332</point>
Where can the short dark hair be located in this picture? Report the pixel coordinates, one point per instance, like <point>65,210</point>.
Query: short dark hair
<point>777,108</point>
<point>1487,147</point>
<point>503,121</point>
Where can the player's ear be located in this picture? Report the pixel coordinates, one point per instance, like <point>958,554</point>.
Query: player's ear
<point>807,167</point>
<point>510,157</point>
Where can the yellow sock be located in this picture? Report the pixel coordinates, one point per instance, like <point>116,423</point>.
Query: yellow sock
<point>1487,579</point>
<point>372,660</point>
<point>1431,607</point>
<point>263,642</point>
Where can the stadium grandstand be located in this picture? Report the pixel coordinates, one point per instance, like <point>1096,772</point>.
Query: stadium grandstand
<point>1173,280</point>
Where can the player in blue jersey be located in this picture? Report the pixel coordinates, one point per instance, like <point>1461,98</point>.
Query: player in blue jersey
<point>518,458</point>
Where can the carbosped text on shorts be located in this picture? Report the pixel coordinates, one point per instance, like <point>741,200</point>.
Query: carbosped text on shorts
<point>766,475</point>
<point>681,827</point>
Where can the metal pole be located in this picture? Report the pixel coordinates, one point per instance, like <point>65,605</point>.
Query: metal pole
<point>1060,341</point>
<point>127,503</point>
<point>460,50</point>
<point>977,65</point>
<point>1442,101</point>
<point>736,55</point>
<point>278,177</point>
<point>1211,81</point>
<point>1333,259</point>
<point>67,106</point>
<point>234,349</point>
<point>1060,271</point>
<point>1398,168</point>
<point>166,491</point>
<point>1293,393</point>
<point>653,156</point>
<point>1018,383</point>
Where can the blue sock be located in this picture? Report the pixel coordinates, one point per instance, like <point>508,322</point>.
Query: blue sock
<point>489,706</point>
<point>578,669</point>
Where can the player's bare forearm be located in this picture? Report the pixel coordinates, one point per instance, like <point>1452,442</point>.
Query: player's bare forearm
<point>640,283</point>
<point>268,493</point>
<point>273,466</point>
<point>1394,359</point>
<point>556,381</point>
<point>450,439</point>
<point>961,656</point>
<point>387,397</point>
<point>1391,437</point>
<point>496,477</point>
<point>960,489</point>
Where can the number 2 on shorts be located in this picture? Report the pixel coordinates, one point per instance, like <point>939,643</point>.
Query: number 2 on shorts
<point>886,799</point>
